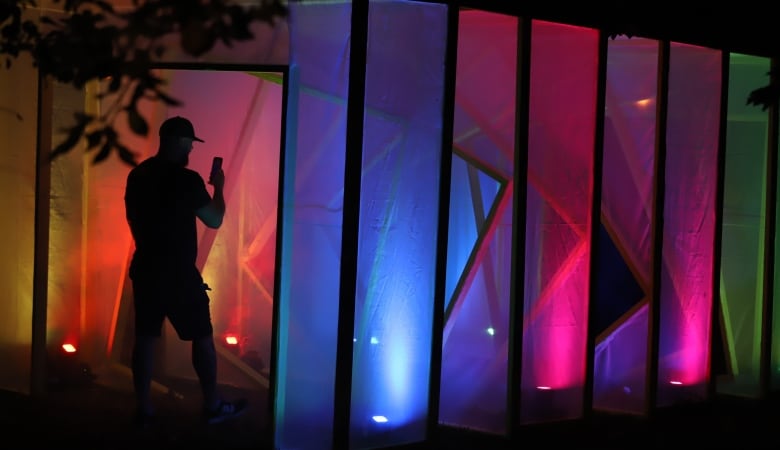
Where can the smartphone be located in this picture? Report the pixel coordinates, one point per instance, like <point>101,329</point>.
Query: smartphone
<point>216,165</point>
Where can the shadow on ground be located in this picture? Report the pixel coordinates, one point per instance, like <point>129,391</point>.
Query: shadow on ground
<point>98,415</point>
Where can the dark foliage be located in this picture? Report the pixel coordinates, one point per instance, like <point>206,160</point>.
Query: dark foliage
<point>91,40</point>
<point>765,96</point>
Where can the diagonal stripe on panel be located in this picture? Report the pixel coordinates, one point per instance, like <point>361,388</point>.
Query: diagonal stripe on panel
<point>493,195</point>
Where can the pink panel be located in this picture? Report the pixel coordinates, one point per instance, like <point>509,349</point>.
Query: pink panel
<point>560,189</point>
<point>689,223</point>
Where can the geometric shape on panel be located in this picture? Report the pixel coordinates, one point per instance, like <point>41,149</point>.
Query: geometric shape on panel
<point>259,259</point>
<point>617,290</point>
<point>489,187</point>
<point>466,220</point>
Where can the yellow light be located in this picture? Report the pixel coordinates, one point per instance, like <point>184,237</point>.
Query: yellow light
<point>231,340</point>
<point>69,348</point>
<point>644,103</point>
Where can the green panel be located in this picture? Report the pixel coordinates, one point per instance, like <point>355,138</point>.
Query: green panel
<point>744,220</point>
<point>775,363</point>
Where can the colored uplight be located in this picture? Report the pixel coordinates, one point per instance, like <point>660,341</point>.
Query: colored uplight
<point>379,419</point>
<point>69,348</point>
<point>491,331</point>
<point>544,388</point>
<point>231,340</point>
<point>644,103</point>
<point>374,340</point>
<point>675,382</point>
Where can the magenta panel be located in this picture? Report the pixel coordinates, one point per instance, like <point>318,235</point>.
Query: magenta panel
<point>686,291</point>
<point>562,109</point>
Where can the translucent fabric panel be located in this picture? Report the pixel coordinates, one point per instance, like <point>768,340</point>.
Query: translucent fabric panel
<point>689,223</point>
<point>479,249</point>
<point>624,275</point>
<point>562,109</point>
<point>312,219</point>
<point>744,227</point>
<point>18,95</point>
<point>775,334</point>
<point>399,205</point>
<point>89,241</point>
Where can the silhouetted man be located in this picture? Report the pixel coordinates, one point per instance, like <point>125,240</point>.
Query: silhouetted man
<point>163,199</point>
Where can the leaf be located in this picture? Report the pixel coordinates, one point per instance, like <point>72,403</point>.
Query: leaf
<point>197,39</point>
<point>126,155</point>
<point>94,139</point>
<point>136,121</point>
<point>104,152</point>
<point>764,96</point>
<point>167,99</point>
<point>74,135</point>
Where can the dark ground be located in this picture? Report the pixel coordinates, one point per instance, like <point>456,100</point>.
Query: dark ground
<point>98,416</point>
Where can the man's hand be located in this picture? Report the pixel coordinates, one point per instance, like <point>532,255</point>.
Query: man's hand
<point>217,179</point>
<point>213,213</point>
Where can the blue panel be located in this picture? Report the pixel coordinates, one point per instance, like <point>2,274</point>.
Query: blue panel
<point>311,227</point>
<point>398,222</point>
<point>475,336</point>
<point>488,187</point>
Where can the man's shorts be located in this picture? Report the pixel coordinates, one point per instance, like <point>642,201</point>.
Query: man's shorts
<point>185,304</point>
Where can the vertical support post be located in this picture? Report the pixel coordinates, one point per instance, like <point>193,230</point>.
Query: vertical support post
<point>595,220</point>
<point>41,252</point>
<point>442,232</point>
<point>520,195</point>
<point>719,193</point>
<point>351,223</point>
<point>659,191</point>
<point>280,237</point>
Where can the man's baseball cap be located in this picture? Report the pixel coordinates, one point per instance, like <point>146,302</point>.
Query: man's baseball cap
<point>179,127</point>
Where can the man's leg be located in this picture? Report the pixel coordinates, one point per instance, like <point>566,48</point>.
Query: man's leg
<point>195,324</point>
<point>204,361</point>
<point>142,367</point>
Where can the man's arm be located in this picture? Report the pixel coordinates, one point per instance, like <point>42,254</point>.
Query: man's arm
<point>212,214</point>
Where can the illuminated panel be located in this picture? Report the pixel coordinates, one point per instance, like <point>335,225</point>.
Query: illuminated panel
<point>311,229</point>
<point>476,330</point>
<point>69,225</point>
<point>775,335</point>
<point>105,239</point>
<point>744,222</point>
<point>236,260</point>
<point>559,208</point>
<point>89,241</point>
<point>624,277</point>
<point>689,223</point>
<point>399,206</point>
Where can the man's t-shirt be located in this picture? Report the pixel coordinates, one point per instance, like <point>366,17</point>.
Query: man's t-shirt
<point>160,203</point>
